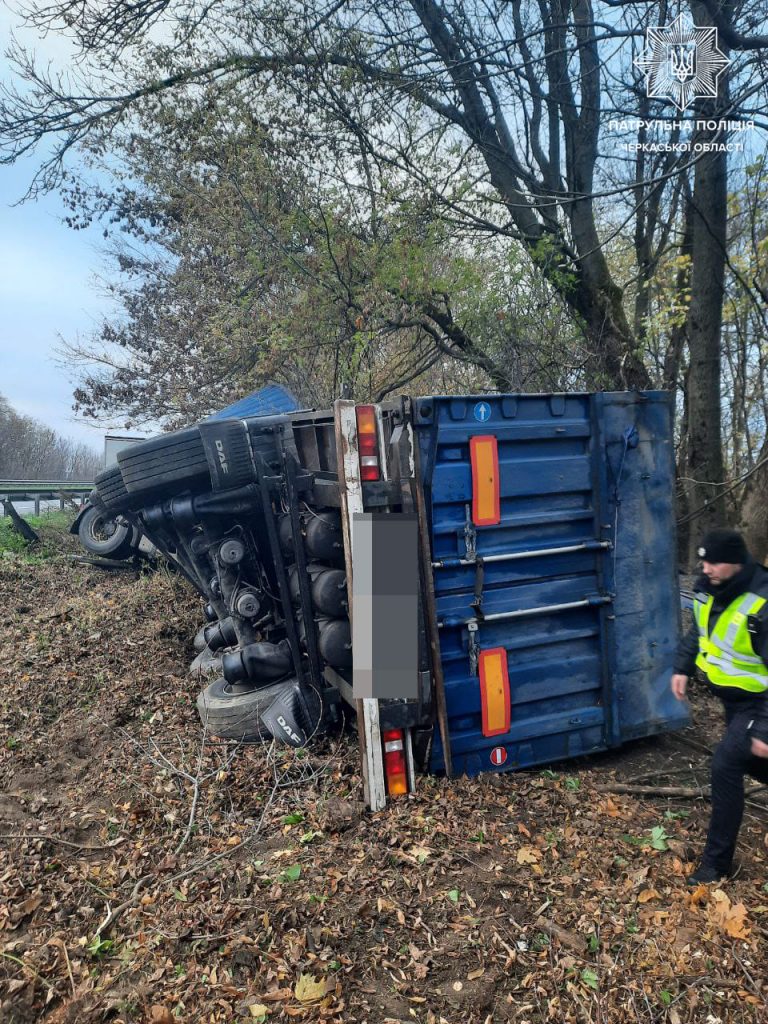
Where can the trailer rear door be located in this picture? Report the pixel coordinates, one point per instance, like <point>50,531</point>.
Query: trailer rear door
<point>543,511</point>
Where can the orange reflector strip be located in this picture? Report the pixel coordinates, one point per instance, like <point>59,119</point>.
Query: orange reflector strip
<point>484,456</point>
<point>494,691</point>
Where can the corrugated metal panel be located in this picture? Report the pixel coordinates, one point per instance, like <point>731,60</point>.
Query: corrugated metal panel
<point>268,401</point>
<point>583,678</point>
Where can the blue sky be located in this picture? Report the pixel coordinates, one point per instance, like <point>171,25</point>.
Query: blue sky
<point>47,286</point>
<point>46,291</point>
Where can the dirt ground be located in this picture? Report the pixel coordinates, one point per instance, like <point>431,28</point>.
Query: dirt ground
<point>149,874</point>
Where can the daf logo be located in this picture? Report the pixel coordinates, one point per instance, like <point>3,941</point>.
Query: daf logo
<point>287,729</point>
<point>222,456</point>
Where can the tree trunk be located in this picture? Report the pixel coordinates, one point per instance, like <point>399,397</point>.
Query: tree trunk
<point>670,380</point>
<point>754,521</point>
<point>703,463</point>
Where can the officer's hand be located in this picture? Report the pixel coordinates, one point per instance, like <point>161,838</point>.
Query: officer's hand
<point>679,685</point>
<point>759,749</point>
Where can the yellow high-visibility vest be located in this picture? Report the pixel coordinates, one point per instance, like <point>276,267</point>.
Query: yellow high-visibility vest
<point>727,657</point>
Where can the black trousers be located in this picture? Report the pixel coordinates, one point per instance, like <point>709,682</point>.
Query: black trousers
<point>732,760</point>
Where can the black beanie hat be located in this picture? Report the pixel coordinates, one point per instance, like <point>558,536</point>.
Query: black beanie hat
<point>723,546</point>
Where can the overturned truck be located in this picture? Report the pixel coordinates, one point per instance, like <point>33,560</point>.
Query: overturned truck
<point>508,562</point>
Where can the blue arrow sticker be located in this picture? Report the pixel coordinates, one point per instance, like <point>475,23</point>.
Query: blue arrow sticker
<point>482,411</point>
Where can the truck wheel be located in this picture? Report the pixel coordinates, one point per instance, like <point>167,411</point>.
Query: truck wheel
<point>165,465</point>
<point>101,533</point>
<point>111,489</point>
<point>233,714</point>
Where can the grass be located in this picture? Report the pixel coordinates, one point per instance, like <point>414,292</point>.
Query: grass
<point>52,527</point>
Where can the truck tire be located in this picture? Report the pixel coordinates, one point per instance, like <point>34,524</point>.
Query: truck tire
<point>232,714</point>
<point>94,498</point>
<point>101,533</point>
<point>165,465</point>
<point>111,489</point>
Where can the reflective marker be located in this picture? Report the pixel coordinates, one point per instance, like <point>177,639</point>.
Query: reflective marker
<point>484,457</point>
<point>494,691</point>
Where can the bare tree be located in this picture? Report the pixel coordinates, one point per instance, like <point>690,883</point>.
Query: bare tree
<point>31,451</point>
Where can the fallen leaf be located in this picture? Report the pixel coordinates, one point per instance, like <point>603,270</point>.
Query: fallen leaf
<point>683,937</point>
<point>728,917</point>
<point>528,855</point>
<point>26,908</point>
<point>278,995</point>
<point>160,1015</point>
<point>420,853</point>
<point>608,807</point>
<point>474,975</point>
<point>648,894</point>
<point>636,877</point>
<point>699,895</point>
<point>258,1010</point>
<point>308,989</point>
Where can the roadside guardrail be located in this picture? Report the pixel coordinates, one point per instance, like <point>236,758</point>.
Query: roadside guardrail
<point>42,490</point>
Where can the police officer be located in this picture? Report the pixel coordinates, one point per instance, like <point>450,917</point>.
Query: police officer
<point>728,642</point>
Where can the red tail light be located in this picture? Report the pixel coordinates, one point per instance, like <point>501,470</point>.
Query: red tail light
<point>367,442</point>
<point>394,762</point>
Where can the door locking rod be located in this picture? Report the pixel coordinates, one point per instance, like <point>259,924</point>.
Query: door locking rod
<point>513,556</point>
<point>526,613</point>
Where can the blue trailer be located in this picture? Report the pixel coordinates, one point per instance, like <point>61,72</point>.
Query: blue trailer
<point>576,582</point>
<point>549,583</point>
